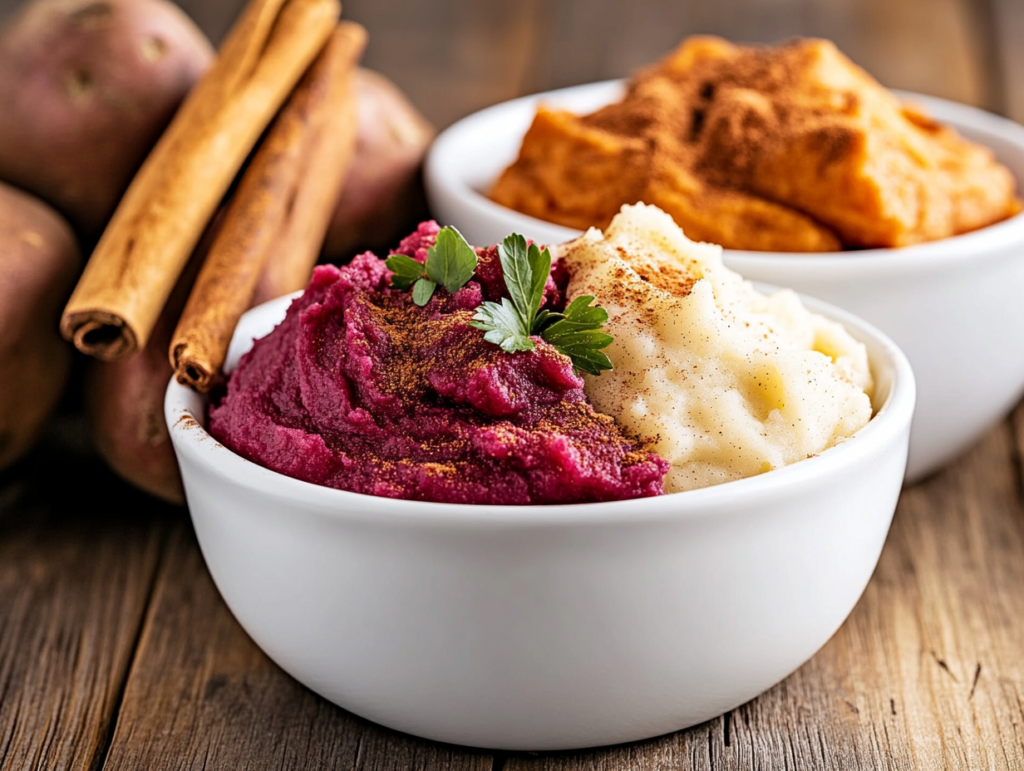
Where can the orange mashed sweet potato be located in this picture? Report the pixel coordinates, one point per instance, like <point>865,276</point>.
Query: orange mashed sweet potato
<point>792,148</point>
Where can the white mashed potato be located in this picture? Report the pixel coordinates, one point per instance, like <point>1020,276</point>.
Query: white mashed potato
<point>718,379</point>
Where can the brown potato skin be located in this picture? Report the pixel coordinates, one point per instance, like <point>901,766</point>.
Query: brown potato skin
<point>39,263</point>
<point>124,399</point>
<point>86,88</point>
<point>382,199</point>
<point>124,407</point>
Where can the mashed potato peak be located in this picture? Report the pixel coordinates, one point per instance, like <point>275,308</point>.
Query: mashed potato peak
<point>719,380</point>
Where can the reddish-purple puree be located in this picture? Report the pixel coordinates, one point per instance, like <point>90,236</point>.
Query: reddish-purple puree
<point>360,389</point>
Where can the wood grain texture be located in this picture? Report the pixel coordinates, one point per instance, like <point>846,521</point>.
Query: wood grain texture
<point>213,18</point>
<point>459,56</point>
<point>926,673</point>
<point>456,57</point>
<point>453,57</point>
<point>920,45</point>
<point>201,695</point>
<point>1008,24</point>
<point>74,584</point>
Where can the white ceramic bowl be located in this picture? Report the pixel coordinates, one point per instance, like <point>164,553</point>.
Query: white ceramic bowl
<point>956,306</point>
<point>547,627</point>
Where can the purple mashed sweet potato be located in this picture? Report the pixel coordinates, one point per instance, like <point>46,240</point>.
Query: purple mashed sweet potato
<point>360,389</point>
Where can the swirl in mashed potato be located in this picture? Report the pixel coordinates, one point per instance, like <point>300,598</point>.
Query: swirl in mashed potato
<point>716,378</point>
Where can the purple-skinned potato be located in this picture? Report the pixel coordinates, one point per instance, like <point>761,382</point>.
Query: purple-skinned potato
<point>86,88</point>
<point>124,400</point>
<point>382,198</point>
<point>39,263</point>
<point>124,409</point>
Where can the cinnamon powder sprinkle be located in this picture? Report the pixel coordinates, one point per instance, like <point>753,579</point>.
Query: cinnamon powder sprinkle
<point>791,148</point>
<point>362,390</point>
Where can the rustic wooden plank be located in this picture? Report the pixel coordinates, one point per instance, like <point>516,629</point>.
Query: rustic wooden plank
<point>213,18</point>
<point>202,695</point>
<point>74,582</point>
<point>1017,422</point>
<point>458,56</point>
<point>926,673</point>
<point>454,57</point>
<point>1008,24</point>
<point>982,17</point>
<point>930,46</point>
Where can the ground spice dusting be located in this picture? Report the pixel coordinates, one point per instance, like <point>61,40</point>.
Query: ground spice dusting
<point>408,332</point>
<point>374,394</point>
<point>668,277</point>
<point>788,148</point>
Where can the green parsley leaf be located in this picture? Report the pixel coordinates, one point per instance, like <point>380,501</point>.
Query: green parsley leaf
<point>451,261</point>
<point>406,270</point>
<point>540,268</point>
<point>575,334</point>
<point>422,291</point>
<point>589,360</point>
<point>579,312</point>
<point>544,320</point>
<point>515,268</point>
<point>503,326</point>
<point>525,270</point>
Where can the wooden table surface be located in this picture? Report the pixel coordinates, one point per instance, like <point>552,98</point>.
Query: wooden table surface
<point>117,653</point>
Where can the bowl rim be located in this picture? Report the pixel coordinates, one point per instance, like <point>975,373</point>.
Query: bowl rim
<point>991,239</point>
<point>192,441</point>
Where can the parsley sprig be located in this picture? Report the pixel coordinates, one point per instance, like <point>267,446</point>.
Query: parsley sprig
<point>510,324</point>
<point>450,262</point>
<point>575,333</point>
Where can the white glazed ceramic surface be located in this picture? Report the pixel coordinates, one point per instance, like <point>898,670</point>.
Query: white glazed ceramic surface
<point>955,306</point>
<point>547,627</point>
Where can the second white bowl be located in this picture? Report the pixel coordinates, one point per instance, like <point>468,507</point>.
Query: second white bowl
<point>954,306</point>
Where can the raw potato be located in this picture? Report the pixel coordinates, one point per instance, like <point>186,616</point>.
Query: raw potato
<point>39,262</point>
<point>124,400</point>
<point>382,199</point>
<point>86,87</point>
<point>124,404</point>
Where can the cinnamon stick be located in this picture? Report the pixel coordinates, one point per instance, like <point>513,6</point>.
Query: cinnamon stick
<point>131,273</point>
<point>282,203</point>
<point>325,168</point>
